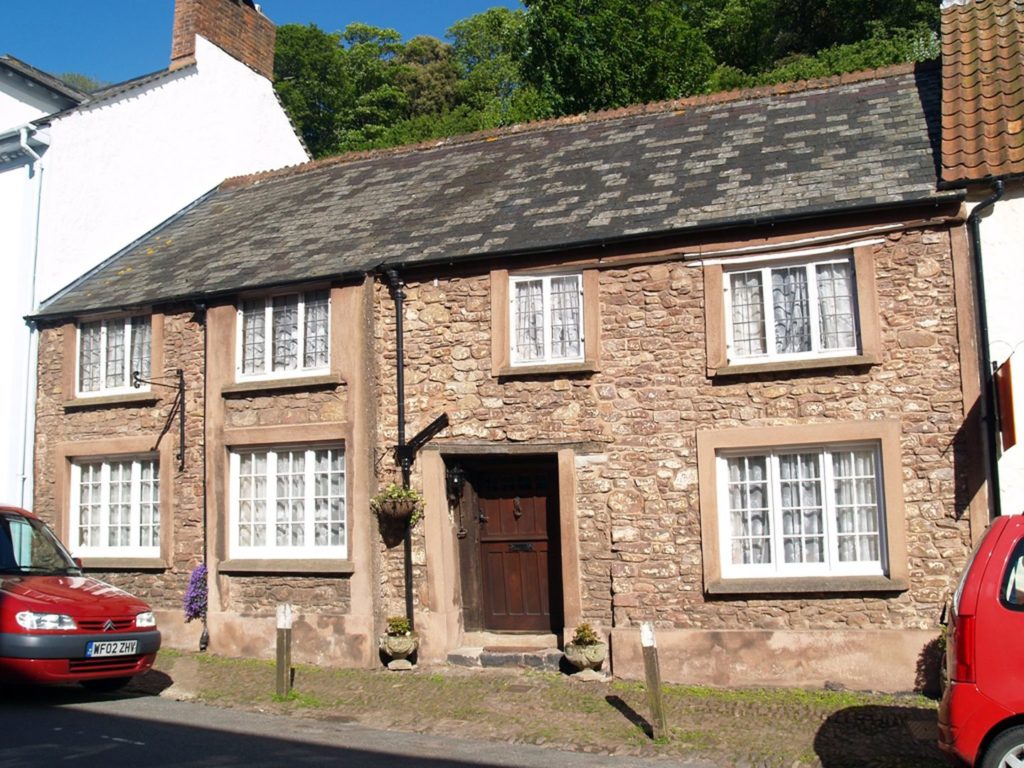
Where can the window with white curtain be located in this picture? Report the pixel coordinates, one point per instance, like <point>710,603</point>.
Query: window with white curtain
<point>115,507</point>
<point>110,351</point>
<point>546,319</point>
<point>792,311</point>
<point>289,503</point>
<point>809,511</point>
<point>284,335</point>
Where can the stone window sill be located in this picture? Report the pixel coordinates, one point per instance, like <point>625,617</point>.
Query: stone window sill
<point>848,361</point>
<point>548,369</point>
<point>302,567</point>
<point>124,399</point>
<point>245,388</point>
<point>123,564</point>
<point>806,585</point>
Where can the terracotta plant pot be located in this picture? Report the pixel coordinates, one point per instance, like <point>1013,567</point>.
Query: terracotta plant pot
<point>590,656</point>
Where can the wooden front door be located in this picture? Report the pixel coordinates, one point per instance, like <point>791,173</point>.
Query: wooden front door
<point>514,546</point>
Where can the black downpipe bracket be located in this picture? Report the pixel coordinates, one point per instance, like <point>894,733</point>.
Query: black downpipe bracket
<point>988,379</point>
<point>403,457</point>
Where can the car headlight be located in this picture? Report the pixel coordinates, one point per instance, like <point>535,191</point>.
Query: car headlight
<point>33,621</point>
<point>146,619</point>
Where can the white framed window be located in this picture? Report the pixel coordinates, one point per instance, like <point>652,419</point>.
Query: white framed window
<point>110,351</point>
<point>115,507</point>
<point>546,319</point>
<point>284,335</point>
<point>792,310</point>
<point>289,502</point>
<point>803,511</point>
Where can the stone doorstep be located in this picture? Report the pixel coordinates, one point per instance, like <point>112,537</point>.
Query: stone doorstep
<point>506,656</point>
<point>512,640</point>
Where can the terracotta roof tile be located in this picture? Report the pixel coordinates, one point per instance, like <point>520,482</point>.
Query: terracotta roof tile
<point>982,89</point>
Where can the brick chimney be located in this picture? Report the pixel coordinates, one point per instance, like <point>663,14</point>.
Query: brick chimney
<point>237,27</point>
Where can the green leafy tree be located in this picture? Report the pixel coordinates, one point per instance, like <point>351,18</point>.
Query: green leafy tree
<point>82,82</point>
<point>428,75</point>
<point>489,50</point>
<point>310,78</point>
<point>593,54</point>
<point>364,87</point>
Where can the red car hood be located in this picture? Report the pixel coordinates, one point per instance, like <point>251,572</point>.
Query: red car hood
<point>72,595</point>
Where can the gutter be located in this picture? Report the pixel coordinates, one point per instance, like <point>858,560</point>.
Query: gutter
<point>990,415</point>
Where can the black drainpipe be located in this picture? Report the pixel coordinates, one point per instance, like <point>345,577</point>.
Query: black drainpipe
<point>405,461</point>
<point>201,310</point>
<point>988,380</point>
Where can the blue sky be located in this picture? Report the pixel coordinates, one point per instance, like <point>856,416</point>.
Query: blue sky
<point>115,40</point>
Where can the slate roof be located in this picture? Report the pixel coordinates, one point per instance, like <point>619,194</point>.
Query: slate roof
<point>744,157</point>
<point>44,79</point>
<point>982,89</point>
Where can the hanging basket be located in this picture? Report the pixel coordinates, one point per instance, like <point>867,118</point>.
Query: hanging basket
<point>396,506</point>
<point>396,510</point>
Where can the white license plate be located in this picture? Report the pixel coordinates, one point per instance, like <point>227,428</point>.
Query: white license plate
<point>100,648</point>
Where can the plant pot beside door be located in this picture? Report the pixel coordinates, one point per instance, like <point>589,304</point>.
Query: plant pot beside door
<point>398,643</point>
<point>586,653</point>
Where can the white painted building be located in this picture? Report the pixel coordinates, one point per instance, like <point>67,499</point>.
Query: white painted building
<point>82,176</point>
<point>982,152</point>
<point>1002,254</point>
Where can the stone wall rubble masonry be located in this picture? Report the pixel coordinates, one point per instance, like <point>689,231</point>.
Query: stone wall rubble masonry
<point>182,543</point>
<point>634,420</point>
<point>637,502</point>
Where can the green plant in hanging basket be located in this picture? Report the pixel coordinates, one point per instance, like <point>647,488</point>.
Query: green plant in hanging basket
<point>397,504</point>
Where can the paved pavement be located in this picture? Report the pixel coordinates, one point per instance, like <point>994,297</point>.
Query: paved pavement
<point>66,726</point>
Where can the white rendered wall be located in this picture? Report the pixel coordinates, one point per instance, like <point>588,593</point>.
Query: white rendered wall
<point>20,104</point>
<point>18,196</point>
<point>120,168</point>
<point>1002,237</point>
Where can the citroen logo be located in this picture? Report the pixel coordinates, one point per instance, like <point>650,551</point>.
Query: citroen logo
<point>110,626</point>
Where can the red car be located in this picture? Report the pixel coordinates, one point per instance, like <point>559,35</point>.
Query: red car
<point>58,625</point>
<point>981,717</point>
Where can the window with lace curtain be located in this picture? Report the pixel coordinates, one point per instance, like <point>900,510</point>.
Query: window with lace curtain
<point>115,507</point>
<point>792,311</point>
<point>807,511</point>
<point>289,502</point>
<point>284,335</point>
<point>110,351</point>
<point>546,319</point>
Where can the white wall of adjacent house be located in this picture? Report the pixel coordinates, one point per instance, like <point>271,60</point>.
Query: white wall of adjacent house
<point>1003,264</point>
<point>113,171</point>
<point>119,168</point>
<point>19,183</point>
<point>21,103</point>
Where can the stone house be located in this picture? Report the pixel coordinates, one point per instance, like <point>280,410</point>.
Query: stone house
<point>83,175</point>
<point>704,363</point>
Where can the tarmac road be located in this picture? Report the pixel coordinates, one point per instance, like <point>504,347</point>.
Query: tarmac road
<point>66,726</point>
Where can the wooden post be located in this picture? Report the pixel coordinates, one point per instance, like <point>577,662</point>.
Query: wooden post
<point>659,729</point>
<point>284,649</point>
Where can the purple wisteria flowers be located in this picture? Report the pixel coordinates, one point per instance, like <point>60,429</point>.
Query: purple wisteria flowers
<point>195,596</point>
